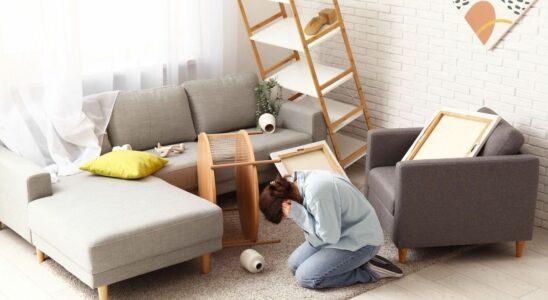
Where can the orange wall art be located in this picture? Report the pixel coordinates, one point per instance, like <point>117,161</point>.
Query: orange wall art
<point>491,19</point>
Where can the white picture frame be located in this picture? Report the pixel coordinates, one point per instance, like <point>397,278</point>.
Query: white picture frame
<point>453,133</point>
<point>313,156</point>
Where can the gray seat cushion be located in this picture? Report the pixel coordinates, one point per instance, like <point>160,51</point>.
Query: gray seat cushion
<point>505,139</point>
<point>222,105</point>
<point>147,117</point>
<point>181,169</point>
<point>382,183</point>
<point>102,223</point>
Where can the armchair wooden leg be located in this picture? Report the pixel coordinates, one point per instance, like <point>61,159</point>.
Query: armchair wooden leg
<point>402,254</point>
<point>520,245</point>
<point>205,262</point>
<point>103,292</point>
<point>40,256</point>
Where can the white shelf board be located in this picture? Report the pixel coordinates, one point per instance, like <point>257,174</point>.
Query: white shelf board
<point>348,145</point>
<point>336,110</point>
<point>297,77</point>
<point>284,34</point>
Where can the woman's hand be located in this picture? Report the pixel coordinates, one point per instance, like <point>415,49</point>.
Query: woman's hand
<point>286,208</point>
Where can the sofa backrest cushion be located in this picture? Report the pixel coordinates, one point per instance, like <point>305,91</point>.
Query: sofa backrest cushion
<point>505,139</point>
<point>147,117</point>
<point>222,105</point>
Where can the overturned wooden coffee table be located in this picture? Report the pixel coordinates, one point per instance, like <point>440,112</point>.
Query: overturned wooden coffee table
<point>233,150</point>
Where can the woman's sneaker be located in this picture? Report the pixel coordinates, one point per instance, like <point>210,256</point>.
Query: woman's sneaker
<point>383,268</point>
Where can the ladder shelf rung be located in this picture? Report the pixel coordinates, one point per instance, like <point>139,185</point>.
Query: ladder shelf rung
<point>347,119</point>
<point>335,79</point>
<point>340,113</point>
<point>280,63</point>
<point>352,149</point>
<point>297,77</point>
<point>267,21</point>
<point>283,33</point>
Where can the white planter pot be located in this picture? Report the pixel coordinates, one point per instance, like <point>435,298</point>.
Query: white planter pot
<point>252,261</point>
<point>267,122</point>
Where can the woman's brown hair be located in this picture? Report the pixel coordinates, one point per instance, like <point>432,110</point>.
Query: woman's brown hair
<point>272,197</point>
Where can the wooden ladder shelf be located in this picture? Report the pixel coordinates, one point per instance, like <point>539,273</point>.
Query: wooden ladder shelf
<point>311,81</point>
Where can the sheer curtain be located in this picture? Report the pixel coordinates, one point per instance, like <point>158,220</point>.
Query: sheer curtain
<point>53,53</point>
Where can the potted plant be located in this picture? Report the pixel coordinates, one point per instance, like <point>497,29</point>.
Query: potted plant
<point>268,95</point>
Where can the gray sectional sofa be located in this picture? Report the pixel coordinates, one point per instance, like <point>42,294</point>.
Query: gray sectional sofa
<point>105,230</point>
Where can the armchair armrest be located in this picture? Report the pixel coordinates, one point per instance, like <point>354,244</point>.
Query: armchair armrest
<point>385,147</point>
<point>465,200</point>
<point>21,182</point>
<point>303,118</point>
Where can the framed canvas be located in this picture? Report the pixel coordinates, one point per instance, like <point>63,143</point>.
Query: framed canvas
<point>314,156</point>
<point>452,134</point>
<point>491,19</point>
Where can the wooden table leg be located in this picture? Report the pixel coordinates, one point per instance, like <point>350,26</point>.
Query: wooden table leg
<point>205,261</point>
<point>103,292</point>
<point>520,245</point>
<point>40,256</point>
<point>402,255</point>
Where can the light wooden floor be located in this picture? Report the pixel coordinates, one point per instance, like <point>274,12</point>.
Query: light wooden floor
<point>489,272</point>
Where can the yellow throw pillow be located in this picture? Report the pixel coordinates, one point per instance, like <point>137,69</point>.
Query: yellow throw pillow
<point>125,164</point>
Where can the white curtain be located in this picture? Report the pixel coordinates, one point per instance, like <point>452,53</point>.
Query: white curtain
<point>55,52</point>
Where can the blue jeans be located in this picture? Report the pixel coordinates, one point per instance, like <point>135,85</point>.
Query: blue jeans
<point>317,268</point>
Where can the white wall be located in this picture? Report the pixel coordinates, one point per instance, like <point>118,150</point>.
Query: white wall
<point>416,56</point>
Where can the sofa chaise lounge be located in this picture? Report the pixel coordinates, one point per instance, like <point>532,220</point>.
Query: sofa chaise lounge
<point>105,230</point>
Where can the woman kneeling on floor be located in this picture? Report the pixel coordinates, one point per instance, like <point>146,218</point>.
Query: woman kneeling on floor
<point>342,231</point>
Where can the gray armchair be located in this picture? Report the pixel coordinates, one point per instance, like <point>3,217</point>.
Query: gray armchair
<point>460,201</point>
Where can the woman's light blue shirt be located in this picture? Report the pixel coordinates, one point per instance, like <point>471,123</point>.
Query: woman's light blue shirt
<point>334,214</point>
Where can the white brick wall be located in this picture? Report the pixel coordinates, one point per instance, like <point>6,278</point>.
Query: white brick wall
<point>416,56</point>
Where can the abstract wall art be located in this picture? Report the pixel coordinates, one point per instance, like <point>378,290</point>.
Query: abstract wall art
<point>491,19</point>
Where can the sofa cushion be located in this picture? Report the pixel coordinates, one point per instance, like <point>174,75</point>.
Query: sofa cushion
<point>181,169</point>
<point>382,183</point>
<point>126,164</point>
<point>222,105</point>
<point>147,117</point>
<point>102,223</point>
<point>504,140</point>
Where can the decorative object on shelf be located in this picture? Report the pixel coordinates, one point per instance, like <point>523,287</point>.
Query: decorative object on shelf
<point>122,148</point>
<point>267,123</point>
<point>252,261</point>
<point>310,81</point>
<point>166,151</point>
<point>268,95</point>
<point>491,19</point>
<point>326,16</point>
<point>453,134</point>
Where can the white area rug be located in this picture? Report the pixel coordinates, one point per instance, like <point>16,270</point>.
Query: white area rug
<point>228,280</point>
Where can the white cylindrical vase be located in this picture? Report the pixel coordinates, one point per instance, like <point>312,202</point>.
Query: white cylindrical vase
<point>252,261</point>
<point>267,122</point>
